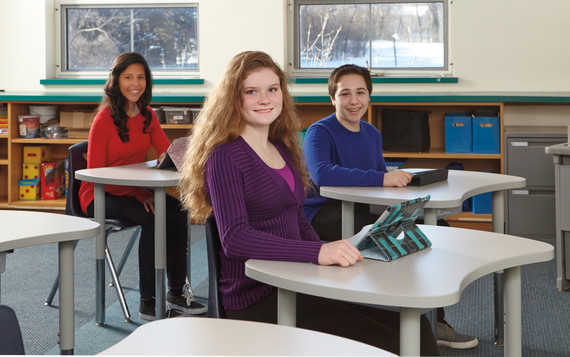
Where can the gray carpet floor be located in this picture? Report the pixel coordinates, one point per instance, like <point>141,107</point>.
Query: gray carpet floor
<point>30,272</point>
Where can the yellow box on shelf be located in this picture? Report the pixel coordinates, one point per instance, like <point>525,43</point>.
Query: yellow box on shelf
<point>30,171</point>
<point>36,154</point>
<point>29,189</point>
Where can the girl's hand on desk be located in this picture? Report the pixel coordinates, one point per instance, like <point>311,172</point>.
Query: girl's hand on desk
<point>160,158</point>
<point>149,204</point>
<point>397,178</point>
<point>340,252</point>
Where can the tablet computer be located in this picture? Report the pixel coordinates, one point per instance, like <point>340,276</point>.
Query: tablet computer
<point>174,158</point>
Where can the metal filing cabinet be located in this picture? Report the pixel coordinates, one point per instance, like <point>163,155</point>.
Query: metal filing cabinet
<point>561,158</point>
<point>530,211</point>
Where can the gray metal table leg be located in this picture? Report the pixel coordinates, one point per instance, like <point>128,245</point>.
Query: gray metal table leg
<point>100,244</point>
<point>67,308</point>
<point>160,249</point>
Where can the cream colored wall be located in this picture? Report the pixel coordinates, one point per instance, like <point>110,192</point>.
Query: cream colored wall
<point>496,46</point>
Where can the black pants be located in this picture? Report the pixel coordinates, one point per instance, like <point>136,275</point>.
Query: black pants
<point>328,225</point>
<point>366,324</point>
<point>129,208</point>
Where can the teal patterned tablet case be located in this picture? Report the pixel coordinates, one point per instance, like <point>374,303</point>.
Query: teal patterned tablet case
<point>395,234</point>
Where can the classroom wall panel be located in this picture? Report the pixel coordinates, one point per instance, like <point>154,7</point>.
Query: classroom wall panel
<point>496,46</point>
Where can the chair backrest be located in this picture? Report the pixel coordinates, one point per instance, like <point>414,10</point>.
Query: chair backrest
<point>11,341</point>
<point>214,246</point>
<point>77,161</point>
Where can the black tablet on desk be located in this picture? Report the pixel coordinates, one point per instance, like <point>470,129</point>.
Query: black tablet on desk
<point>174,158</point>
<point>422,178</point>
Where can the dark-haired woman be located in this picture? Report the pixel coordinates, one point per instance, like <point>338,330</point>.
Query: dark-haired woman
<point>122,133</point>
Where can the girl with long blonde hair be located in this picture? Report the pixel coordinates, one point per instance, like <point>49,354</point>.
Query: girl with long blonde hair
<point>244,167</point>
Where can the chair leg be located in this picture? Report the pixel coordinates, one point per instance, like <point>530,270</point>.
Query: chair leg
<point>55,285</point>
<point>127,251</point>
<point>118,286</point>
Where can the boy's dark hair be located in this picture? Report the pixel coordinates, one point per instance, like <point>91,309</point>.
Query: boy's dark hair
<point>348,69</point>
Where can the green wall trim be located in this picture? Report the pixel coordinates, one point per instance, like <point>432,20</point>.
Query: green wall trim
<point>318,80</point>
<point>92,97</point>
<point>101,81</point>
<point>538,97</point>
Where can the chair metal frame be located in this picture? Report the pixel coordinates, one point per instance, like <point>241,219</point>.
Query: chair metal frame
<point>213,247</point>
<point>77,161</point>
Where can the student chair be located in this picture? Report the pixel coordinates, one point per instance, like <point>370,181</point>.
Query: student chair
<point>77,161</point>
<point>11,341</point>
<point>213,247</point>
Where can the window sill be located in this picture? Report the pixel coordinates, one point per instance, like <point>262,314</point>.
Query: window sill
<point>314,80</point>
<point>101,81</point>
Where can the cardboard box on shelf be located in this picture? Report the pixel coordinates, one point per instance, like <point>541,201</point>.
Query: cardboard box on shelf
<point>78,133</point>
<point>76,119</point>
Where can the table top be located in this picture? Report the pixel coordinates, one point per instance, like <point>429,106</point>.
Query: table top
<point>27,228</point>
<point>141,174</point>
<point>558,149</point>
<point>460,185</point>
<point>434,277</point>
<point>208,336</point>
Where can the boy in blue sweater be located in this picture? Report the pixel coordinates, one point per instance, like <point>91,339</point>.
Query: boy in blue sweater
<point>343,150</point>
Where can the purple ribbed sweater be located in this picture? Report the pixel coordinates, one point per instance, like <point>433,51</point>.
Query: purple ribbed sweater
<point>258,217</point>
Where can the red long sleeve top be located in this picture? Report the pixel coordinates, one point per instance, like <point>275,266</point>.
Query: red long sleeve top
<point>106,149</point>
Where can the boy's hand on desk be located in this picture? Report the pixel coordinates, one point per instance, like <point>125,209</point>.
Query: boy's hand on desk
<point>397,178</point>
<point>340,252</point>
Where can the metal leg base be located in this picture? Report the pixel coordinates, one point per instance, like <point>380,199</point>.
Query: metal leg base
<point>498,283</point>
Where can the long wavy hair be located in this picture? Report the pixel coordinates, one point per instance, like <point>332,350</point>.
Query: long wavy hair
<point>117,103</point>
<point>221,121</point>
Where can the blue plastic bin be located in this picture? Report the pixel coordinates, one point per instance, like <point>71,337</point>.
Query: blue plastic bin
<point>486,135</point>
<point>483,203</point>
<point>458,132</point>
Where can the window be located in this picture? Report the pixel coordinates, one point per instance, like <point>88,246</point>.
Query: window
<point>387,36</point>
<point>92,33</point>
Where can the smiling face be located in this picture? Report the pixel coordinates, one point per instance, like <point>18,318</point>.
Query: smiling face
<point>132,83</point>
<point>262,99</point>
<point>351,100</point>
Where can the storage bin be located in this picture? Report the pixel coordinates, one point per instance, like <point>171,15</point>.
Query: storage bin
<point>458,132</point>
<point>46,112</point>
<point>30,171</point>
<point>486,135</point>
<point>159,115</point>
<point>483,203</point>
<point>195,112</point>
<point>29,189</point>
<point>177,115</point>
<point>395,165</point>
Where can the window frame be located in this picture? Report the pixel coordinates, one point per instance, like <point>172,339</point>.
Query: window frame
<point>293,42</point>
<point>60,36</point>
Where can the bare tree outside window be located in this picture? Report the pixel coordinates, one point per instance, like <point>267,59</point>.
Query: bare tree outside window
<point>379,35</point>
<point>166,36</point>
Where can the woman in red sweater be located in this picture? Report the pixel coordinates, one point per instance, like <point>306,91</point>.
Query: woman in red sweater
<point>122,133</point>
